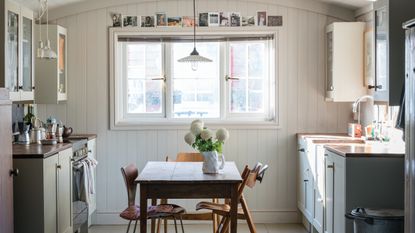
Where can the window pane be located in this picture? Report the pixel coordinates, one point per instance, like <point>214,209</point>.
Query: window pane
<point>143,63</point>
<point>247,62</point>
<point>196,93</point>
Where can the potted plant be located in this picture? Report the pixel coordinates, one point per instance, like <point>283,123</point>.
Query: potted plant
<point>209,145</point>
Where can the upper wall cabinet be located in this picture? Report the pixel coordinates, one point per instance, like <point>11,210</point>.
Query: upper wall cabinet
<point>390,48</point>
<point>17,64</point>
<point>344,78</point>
<point>51,84</point>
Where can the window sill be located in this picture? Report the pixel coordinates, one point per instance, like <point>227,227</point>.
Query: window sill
<point>185,124</point>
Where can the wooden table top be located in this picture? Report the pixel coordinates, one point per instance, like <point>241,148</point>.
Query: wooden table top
<point>186,172</point>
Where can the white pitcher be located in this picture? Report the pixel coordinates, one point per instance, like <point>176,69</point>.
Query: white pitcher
<point>211,164</point>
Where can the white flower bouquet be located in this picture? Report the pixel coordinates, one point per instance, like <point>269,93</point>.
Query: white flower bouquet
<point>203,139</point>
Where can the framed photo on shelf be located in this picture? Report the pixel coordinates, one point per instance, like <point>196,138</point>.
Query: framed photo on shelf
<point>203,19</point>
<point>188,21</point>
<point>261,18</point>
<point>274,21</point>
<point>174,21</point>
<point>224,19</point>
<point>235,19</point>
<point>117,20</point>
<point>213,19</point>
<point>248,21</point>
<point>147,21</point>
<point>161,19</point>
<point>130,21</point>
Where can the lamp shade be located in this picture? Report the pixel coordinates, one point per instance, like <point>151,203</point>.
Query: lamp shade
<point>194,57</point>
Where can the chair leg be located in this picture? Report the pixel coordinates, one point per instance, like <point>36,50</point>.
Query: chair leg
<point>247,215</point>
<point>181,223</point>
<point>158,225</point>
<point>220,226</point>
<point>175,223</point>
<point>153,220</point>
<point>165,225</point>
<point>214,217</point>
<point>226,225</point>
<point>128,228</point>
<point>135,226</point>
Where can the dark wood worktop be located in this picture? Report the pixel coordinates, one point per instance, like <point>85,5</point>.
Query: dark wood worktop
<point>83,136</point>
<point>376,150</point>
<point>36,151</point>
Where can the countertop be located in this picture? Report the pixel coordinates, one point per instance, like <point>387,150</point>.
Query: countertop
<point>347,146</point>
<point>376,149</point>
<point>83,136</point>
<point>36,151</point>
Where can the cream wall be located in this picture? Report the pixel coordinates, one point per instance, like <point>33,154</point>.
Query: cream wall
<point>301,73</point>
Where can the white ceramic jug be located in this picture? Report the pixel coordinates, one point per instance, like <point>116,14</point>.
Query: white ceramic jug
<point>211,164</point>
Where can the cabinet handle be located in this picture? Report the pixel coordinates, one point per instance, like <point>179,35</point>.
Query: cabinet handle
<point>33,88</point>
<point>306,181</point>
<point>20,87</point>
<point>89,151</point>
<point>227,78</point>
<point>301,150</point>
<point>58,166</point>
<point>14,172</point>
<point>375,86</point>
<point>330,166</point>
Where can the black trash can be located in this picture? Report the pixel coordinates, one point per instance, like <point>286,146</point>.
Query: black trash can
<point>377,220</point>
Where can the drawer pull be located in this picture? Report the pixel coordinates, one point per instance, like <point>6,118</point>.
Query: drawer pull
<point>306,181</point>
<point>330,166</point>
<point>301,150</point>
<point>14,172</point>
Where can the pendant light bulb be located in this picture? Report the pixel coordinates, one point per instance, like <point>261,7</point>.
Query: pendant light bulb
<point>194,65</point>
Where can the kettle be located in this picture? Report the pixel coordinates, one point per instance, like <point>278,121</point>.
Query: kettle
<point>67,131</point>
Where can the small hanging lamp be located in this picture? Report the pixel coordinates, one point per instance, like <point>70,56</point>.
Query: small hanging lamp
<point>194,58</point>
<point>44,51</point>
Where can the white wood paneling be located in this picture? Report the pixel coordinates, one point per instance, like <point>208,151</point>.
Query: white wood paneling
<point>301,72</point>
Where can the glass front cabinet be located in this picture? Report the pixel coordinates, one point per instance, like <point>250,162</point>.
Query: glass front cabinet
<point>51,84</point>
<point>18,66</point>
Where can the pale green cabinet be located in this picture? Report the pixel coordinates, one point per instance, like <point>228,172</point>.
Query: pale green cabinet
<point>43,197</point>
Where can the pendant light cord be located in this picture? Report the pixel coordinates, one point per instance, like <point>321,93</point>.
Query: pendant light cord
<point>194,23</point>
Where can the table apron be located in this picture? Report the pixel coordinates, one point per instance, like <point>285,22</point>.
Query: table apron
<point>179,191</point>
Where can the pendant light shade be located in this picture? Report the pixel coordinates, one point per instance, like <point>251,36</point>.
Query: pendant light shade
<point>44,51</point>
<point>194,58</point>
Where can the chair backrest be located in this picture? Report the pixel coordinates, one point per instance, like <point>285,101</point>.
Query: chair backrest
<point>130,173</point>
<point>256,174</point>
<point>187,157</point>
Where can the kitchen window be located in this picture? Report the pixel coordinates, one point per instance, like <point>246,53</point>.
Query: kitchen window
<point>150,87</point>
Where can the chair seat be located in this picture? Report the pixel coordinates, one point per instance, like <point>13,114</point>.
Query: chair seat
<point>158,211</point>
<point>217,208</point>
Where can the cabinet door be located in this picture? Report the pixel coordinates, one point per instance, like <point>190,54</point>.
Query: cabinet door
<point>319,190</point>
<point>12,50</point>
<point>62,77</point>
<point>26,82</point>
<point>6,181</point>
<point>309,175</point>
<point>50,186</point>
<point>335,221</point>
<point>300,172</point>
<point>381,54</point>
<point>64,192</point>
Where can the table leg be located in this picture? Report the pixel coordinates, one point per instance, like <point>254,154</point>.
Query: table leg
<point>143,208</point>
<point>234,208</point>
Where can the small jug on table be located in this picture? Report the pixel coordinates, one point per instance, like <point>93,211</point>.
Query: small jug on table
<point>211,163</point>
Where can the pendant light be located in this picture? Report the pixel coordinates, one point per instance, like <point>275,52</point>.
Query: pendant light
<point>44,51</point>
<point>194,58</point>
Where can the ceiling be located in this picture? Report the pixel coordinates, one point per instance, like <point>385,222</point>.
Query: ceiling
<point>34,4</point>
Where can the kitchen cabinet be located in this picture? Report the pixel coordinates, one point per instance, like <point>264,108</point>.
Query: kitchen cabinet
<point>390,48</point>
<point>51,84</point>
<point>17,36</point>
<point>6,172</point>
<point>344,76</point>
<point>331,184</point>
<point>43,197</point>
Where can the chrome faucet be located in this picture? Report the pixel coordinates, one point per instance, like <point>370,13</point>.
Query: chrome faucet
<point>356,105</point>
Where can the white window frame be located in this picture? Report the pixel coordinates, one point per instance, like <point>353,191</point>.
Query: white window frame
<point>121,121</point>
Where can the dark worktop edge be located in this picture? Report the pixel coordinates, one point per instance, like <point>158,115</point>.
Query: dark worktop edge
<point>332,148</point>
<point>49,151</point>
<point>83,136</point>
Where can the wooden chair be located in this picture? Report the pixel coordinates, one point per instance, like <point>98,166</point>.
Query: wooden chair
<point>132,212</point>
<point>249,178</point>
<point>207,216</point>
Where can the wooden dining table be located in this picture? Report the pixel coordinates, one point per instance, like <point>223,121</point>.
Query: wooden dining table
<point>185,180</point>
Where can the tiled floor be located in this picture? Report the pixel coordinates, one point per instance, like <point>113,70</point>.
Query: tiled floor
<point>242,228</point>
